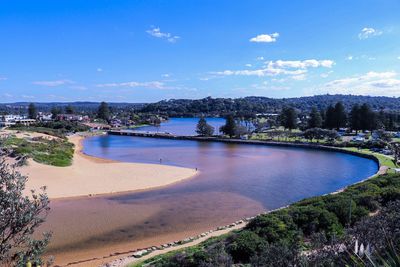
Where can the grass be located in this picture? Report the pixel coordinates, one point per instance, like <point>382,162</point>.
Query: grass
<point>383,159</point>
<point>51,152</point>
<point>266,137</point>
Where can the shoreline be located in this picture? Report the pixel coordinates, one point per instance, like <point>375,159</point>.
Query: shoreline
<point>90,176</point>
<point>126,251</point>
<point>119,259</point>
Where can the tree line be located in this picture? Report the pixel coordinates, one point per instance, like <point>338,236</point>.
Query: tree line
<point>360,118</point>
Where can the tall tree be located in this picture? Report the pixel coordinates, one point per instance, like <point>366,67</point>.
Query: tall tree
<point>340,116</point>
<point>315,120</point>
<point>69,109</point>
<point>104,111</point>
<point>203,128</point>
<point>229,127</point>
<point>288,118</point>
<point>55,111</point>
<point>330,117</point>
<point>32,111</point>
<point>355,118</point>
<point>20,217</point>
<point>367,118</point>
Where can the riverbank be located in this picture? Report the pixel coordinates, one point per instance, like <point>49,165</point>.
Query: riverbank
<point>88,176</point>
<point>376,189</point>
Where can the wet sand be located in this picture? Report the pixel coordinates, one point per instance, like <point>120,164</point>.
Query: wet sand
<point>93,176</point>
<point>96,227</point>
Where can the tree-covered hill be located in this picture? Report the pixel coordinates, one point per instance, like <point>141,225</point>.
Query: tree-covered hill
<point>219,106</point>
<point>254,104</point>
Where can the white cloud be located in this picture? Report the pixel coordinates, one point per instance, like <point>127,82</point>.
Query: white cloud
<point>300,77</point>
<point>166,75</point>
<point>350,57</point>
<point>3,78</point>
<point>7,95</point>
<point>265,38</point>
<point>298,64</point>
<point>260,58</point>
<point>53,83</point>
<point>28,96</point>
<point>248,65</point>
<point>398,57</point>
<point>370,83</point>
<point>156,32</point>
<point>99,69</point>
<point>368,33</point>
<point>281,67</point>
<point>152,85</point>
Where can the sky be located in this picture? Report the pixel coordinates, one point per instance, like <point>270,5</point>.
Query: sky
<point>149,50</point>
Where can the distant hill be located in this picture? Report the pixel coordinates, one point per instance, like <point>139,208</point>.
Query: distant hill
<point>20,107</point>
<point>221,106</point>
<point>254,104</point>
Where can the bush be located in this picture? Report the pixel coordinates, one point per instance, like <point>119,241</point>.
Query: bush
<point>244,245</point>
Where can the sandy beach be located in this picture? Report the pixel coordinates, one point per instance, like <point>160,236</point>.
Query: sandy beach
<point>93,176</point>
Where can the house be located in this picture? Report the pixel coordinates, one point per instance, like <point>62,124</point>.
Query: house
<point>72,117</point>
<point>9,120</point>
<point>45,116</point>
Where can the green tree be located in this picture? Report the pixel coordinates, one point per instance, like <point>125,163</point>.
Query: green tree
<point>32,111</point>
<point>315,120</point>
<point>340,116</point>
<point>69,109</point>
<point>288,118</point>
<point>203,128</point>
<point>355,118</point>
<point>367,118</point>
<point>330,117</point>
<point>55,111</point>
<point>20,217</point>
<point>104,111</point>
<point>229,127</point>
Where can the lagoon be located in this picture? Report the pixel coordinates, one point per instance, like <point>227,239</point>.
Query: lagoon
<point>234,181</point>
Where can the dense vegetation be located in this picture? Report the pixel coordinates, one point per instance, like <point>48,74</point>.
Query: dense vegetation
<point>56,152</point>
<point>319,231</point>
<point>242,106</point>
<point>55,128</point>
<point>21,215</point>
<point>217,106</point>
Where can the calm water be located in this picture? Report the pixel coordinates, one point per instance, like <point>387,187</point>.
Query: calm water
<point>235,181</point>
<point>183,126</point>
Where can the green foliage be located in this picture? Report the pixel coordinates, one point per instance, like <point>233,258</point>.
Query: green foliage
<point>54,128</point>
<point>51,152</point>
<point>203,128</point>
<point>229,127</point>
<point>32,111</point>
<point>288,118</point>
<point>20,216</point>
<point>315,120</point>
<point>244,245</point>
<point>103,111</point>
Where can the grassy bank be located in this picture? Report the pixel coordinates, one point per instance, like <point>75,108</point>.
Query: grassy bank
<point>286,236</point>
<point>56,152</point>
<point>383,159</point>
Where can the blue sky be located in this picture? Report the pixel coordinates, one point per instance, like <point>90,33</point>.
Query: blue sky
<point>144,51</point>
